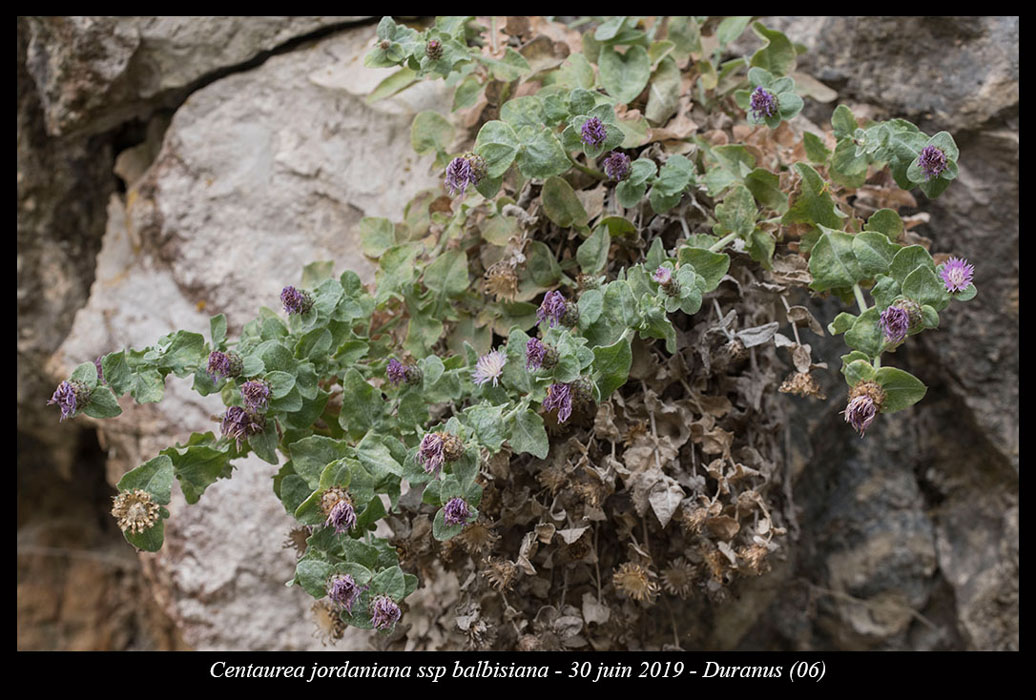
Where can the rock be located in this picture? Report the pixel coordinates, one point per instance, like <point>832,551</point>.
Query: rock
<point>259,173</point>
<point>95,72</point>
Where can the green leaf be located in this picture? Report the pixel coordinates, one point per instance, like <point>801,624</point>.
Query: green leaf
<point>967,294</point>
<point>312,573</point>
<point>884,291</point>
<point>311,455</point>
<point>813,205</point>
<point>849,359</point>
<point>858,371</point>
<point>873,252</point>
<point>149,540</point>
<point>710,266</point>
<point>363,408</point>
<point>542,155</point>
<point>276,357</point>
<point>629,194</point>
<point>832,262</point>
<point>624,76</point>
<point>731,28</point>
<point>376,235</point>
<point>844,122</point>
<point>527,434</point>
<point>902,389</point>
<point>765,187</point>
<point>441,531</point>
<point>561,205</point>
<point>430,132</point>
<point>777,55</point>
<point>620,312</point>
<point>218,330</point>
<point>613,362</point>
<point>486,422</point>
<point>737,211</point>
<point>886,221</point>
<point>761,246</point>
<point>154,476</point>
<point>592,253</point>
<point>398,81</point>
<point>498,145</point>
<point>816,151</point>
<point>523,111</point>
<point>909,259</point>
<point>664,95</point>
<point>375,456</point>
<point>866,335</point>
<point>511,67</point>
<point>264,444</point>
<point>843,322</point>
<point>923,286</point>
<point>466,93</point>
<point>197,467</point>
<point>448,273</point>
<point>542,266</point>
<point>103,403</point>
<point>609,28</point>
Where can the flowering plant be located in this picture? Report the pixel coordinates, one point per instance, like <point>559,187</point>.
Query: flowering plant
<point>430,412</point>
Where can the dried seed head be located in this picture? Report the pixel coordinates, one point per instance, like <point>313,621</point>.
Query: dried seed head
<point>693,519</point>
<point>529,642</point>
<point>802,384</point>
<point>329,622</point>
<point>678,577</point>
<point>477,537</point>
<point>331,497</point>
<point>636,581</point>
<point>501,574</point>
<point>452,447</point>
<point>501,280</point>
<point>553,477</point>
<point>135,511</point>
<point>296,540</point>
<point>754,556</point>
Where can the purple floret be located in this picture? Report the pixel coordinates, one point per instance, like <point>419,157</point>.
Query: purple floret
<point>763,104</point>
<point>617,165</point>
<point>456,512</point>
<point>594,132</point>
<point>957,274</point>
<point>932,162</point>
<point>553,308</point>
<point>559,396</point>
<point>384,612</point>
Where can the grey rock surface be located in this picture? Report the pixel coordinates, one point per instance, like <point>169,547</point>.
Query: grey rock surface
<point>95,72</point>
<point>259,173</point>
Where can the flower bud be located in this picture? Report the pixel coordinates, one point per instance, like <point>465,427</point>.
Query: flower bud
<point>433,49</point>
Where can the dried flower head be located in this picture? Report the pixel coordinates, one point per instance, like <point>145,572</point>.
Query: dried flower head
<point>256,395</point>
<point>539,354</point>
<point>489,367</point>
<point>865,400</point>
<point>477,537</point>
<point>452,447</point>
<point>559,397</point>
<point>693,519</point>
<point>136,511</point>
<point>296,540</point>
<point>553,477</point>
<point>501,280</point>
<point>240,424</point>
<point>636,581</point>
<point>384,613</point>
<point>465,170</point>
<point>594,132</point>
<point>617,165</point>
<point>329,622</point>
<point>296,301</point>
<point>501,573</point>
<point>932,162</point>
<point>801,384</point>
<point>678,577</point>
<point>754,556</point>
<point>763,104</point>
<point>343,591</point>
<point>331,497</point>
<point>957,274</point>
<point>456,512</point>
<point>224,364</point>
<point>529,642</point>
<point>70,396</point>
<point>433,49</point>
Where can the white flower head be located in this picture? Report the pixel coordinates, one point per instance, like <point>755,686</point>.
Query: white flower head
<point>489,367</point>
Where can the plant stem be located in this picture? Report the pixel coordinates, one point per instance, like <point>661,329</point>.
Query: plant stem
<point>722,243</point>
<point>860,301</point>
<point>589,171</point>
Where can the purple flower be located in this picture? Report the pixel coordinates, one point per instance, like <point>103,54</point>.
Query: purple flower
<point>957,274</point>
<point>430,453</point>
<point>559,396</point>
<point>342,517</point>
<point>538,354</point>
<point>895,322</point>
<point>860,412</point>
<point>256,395</point>
<point>396,371</point>
<point>343,591</point>
<point>763,104</point>
<point>70,396</point>
<point>617,165</point>
<point>456,512</point>
<point>463,171</point>
<point>594,132</point>
<point>553,308</point>
<point>489,367</point>
<point>240,424</point>
<point>384,612</point>
<point>296,301</point>
<point>663,275</point>
<point>932,162</point>
<point>100,370</point>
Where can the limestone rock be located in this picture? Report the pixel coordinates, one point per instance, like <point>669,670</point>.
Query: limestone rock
<point>94,72</point>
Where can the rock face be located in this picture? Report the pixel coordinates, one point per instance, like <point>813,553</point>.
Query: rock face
<point>907,540</point>
<point>259,173</point>
<point>96,72</point>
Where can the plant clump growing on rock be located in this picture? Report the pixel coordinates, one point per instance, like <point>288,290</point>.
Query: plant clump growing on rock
<point>595,305</point>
